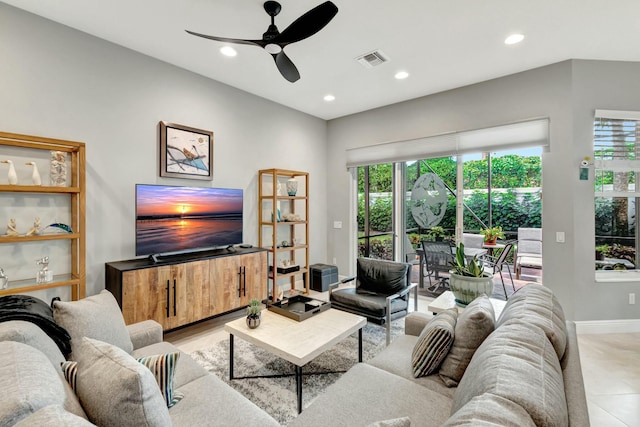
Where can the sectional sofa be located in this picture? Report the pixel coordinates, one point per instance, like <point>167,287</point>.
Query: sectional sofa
<point>526,372</point>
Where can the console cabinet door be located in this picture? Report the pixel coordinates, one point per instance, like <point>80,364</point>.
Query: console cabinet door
<point>192,294</point>
<point>226,288</point>
<point>254,277</point>
<point>146,294</point>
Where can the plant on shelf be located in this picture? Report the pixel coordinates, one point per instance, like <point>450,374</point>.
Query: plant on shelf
<point>253,313</point>
<point>436,233</point>
<point>492,234</point>
<point>468,279</point>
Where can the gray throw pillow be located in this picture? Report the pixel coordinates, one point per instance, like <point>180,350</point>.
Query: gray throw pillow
<point>474,324</point>
<point>98,317</point>
<point>116,390</point>
<point>434,343</point>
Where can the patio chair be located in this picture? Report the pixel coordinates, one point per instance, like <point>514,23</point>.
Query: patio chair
<point>438,258</point>
<point>497,264</point>
<point>381,293</point>
<point>529,251</point>
<point>473,245</point>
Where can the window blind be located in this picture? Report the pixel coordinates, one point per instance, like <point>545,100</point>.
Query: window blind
<point>532,133</point>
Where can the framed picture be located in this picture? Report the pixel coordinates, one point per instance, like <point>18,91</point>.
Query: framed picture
<point>185,152</point>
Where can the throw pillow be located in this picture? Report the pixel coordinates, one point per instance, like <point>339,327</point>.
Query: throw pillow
<point>474,324</point>
<point>116,390</point>
<point>96,317</point>
<point>434,343</point>
<point>163,367</point>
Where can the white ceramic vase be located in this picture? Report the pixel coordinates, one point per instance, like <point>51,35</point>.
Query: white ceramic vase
<point>292,187</point>
<point>466,289</point>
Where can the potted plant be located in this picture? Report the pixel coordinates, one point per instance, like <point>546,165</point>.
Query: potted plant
<point>253,313</point>
<point>436,233</point>
<point>468,279</point>
<point>492,234</point>
<point>601,251</point>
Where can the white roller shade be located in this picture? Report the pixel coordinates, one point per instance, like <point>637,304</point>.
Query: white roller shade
<point>533,133</point>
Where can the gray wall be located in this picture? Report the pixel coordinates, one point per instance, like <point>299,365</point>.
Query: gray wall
<point>567,93</point>
<point>62,83</point>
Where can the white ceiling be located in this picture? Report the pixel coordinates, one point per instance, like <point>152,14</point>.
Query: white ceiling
<point>442,44</point>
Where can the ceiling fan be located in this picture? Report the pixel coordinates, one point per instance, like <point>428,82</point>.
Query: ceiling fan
<point>274,41</point>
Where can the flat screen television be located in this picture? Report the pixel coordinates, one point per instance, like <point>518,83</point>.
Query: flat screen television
<point>181,219</point>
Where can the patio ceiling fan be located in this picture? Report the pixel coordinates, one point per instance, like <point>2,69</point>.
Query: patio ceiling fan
<point>274,41</point>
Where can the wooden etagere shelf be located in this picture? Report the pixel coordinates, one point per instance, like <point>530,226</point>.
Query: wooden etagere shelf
<point>76,278</point>
<point>273,231</point>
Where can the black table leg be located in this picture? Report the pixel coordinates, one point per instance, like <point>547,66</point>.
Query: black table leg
<point>230,356</point>
<point>360,345</point>
<point>299,387</point>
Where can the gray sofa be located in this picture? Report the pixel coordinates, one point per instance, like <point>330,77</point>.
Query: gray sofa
<point>525,373</point>
<point>35,393</point>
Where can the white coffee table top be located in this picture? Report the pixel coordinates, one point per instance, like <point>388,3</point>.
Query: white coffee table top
<point>298,342</point>
<point>447,300</point>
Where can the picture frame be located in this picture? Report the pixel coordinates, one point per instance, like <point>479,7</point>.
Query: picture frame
<point>185,152</point>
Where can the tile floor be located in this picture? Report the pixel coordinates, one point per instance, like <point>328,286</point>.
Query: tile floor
<point>610,365</point>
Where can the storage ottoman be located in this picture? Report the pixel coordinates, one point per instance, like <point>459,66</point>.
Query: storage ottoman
<point>322,275</point>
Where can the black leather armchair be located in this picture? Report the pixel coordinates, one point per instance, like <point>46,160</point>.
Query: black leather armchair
<point>381,293</point>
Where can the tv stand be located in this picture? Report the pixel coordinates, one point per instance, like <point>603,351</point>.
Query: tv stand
<point>176,290</point>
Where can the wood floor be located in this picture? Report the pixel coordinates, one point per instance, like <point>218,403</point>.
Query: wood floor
<point>610,365</point>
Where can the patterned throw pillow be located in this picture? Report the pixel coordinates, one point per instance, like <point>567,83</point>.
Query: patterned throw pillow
<point>434,343</point>
<point>162,366</point>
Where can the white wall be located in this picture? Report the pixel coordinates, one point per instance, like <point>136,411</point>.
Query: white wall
<point>567,93</point>
<point>61,83</point>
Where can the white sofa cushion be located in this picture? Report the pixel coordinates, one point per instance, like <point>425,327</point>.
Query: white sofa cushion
<point>97,317</point>
<point>116,390</point>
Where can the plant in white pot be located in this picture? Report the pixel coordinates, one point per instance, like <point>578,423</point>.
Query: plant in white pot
<point>468,279</point>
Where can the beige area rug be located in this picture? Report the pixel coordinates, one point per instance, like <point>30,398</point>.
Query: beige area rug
<point>277,396</point>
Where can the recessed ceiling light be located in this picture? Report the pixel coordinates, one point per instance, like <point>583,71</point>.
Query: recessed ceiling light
<point>228,51</point>
<point>513,39</point>
<point>401,75</point>
<point>329,98</point>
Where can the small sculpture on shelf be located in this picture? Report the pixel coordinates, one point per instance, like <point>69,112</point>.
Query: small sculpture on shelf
<point>12,177</point>
<point>60,227</point>
<point>4,280</point>
<point>35,175</point>
<point>44,275</point>
<point>11,228</point>
<point>291,217</point>
<point>35,230</point>
<point>58,171</point>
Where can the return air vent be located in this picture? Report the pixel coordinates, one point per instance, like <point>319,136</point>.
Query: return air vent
<point>372,59</point>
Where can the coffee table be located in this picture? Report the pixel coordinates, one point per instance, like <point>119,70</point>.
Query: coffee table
<point>296,342</point>
<point>447,300</point>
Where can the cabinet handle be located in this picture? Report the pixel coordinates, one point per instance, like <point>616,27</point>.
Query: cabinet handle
<point>239,282</point>
<point>168,314</point>
<point>175,296</point>
<point>244,279</point>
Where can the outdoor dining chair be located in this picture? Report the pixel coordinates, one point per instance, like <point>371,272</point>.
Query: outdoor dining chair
<point>498,263</point>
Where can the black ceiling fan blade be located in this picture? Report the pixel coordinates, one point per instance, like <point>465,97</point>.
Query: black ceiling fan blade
<point>286,67</point>
<point>260,43</point>
<point>307,25</point>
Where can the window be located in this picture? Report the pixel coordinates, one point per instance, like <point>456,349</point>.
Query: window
<point>617,199</point>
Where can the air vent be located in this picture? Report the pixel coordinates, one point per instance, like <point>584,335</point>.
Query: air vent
<point>372,59</point>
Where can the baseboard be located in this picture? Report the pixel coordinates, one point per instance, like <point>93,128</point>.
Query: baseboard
<point>621,326</point>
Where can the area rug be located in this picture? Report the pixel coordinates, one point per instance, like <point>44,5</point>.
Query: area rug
<point>277,396</point>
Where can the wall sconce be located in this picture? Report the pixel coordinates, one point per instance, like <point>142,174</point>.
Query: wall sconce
<point>584,168</point>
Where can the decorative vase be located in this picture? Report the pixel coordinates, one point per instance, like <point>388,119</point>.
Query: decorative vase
<point>58,171</point>
<point>466,289</point>
<point>253,321</point>
<point>292,186</point>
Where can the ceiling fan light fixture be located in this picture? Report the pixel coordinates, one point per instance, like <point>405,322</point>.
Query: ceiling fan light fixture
<point>514,39</point>
<point>329,98</point>
<point>401,75</point>
<point>228,51</point>
<point>273,48</point>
